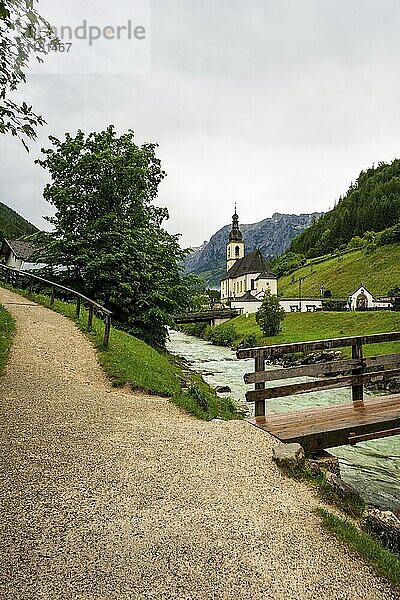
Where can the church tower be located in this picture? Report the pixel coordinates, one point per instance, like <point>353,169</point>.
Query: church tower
<point>235,247</point>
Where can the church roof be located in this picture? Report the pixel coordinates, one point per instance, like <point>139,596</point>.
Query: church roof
<point>251,263</point>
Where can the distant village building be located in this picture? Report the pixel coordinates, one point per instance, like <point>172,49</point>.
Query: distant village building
<point>17,254</point>
<point>247,276</point>
<point>362,299</point>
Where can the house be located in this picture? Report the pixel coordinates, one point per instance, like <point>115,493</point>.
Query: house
<point>16,254</point>
<point>362,299</point>
<point>247,275</point>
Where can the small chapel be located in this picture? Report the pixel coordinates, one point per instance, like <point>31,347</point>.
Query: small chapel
<point>247,276</point>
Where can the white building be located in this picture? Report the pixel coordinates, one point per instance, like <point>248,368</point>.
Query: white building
<point>362,299</point>
<point>247,276</point>
<point>16,254</point>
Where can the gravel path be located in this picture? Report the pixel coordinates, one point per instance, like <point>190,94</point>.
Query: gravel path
<point>107,495</point>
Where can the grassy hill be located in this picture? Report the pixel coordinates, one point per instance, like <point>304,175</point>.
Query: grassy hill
<point>12,225</point>
<point>377,269</point>
<point>302,327</point>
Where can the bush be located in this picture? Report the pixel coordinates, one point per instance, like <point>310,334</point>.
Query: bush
<point>270,314</point>
<point>249,341</point>
<point>221,335</point>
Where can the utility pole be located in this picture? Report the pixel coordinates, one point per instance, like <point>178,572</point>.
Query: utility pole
<point>301,279</point>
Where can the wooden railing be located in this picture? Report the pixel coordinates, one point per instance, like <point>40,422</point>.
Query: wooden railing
<point>354,372</point>
<point>16,278</point>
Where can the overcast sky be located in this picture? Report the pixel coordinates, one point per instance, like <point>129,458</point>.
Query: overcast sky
<point>274,104</point>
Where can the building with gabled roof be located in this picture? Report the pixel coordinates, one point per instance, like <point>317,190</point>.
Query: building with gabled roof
<point>247,276</point>
<point>17,254</point>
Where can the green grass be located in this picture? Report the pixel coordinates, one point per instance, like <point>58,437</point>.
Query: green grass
<point>7,328</point>
<point>385,562</point>
<point>131,361</point>
<point>302,327</point>
<point>378,270</point>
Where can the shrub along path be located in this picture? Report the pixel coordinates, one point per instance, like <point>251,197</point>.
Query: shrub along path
<point>107,495</point>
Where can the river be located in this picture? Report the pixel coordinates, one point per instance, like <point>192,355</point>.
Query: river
<point>372,468</point>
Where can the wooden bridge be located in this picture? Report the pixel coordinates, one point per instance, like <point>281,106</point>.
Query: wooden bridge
<point>336,425</point>
<point>212,317</point>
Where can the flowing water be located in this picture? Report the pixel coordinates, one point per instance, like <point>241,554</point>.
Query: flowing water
<point>373,468</point>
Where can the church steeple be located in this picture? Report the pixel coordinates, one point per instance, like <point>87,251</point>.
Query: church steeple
<point>235,234</point>
<point>235,247</point>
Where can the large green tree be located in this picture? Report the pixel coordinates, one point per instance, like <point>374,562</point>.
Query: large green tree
<point>23,34</point>
<point>109,233</point>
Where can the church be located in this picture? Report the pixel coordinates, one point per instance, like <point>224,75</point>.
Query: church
<point>247,276</point>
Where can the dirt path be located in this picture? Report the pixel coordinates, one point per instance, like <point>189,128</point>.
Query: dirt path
<point>110,496</point>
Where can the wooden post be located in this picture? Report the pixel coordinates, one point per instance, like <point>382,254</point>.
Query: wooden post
<point>90,316</point>
<point>107,330</point>
<point>52,295</point>
<point>259,405</point>
<point>16,279</point>
<point>6,277</point>
<point>357,390</point>
<point>31,286</point>
<point>78,307</point>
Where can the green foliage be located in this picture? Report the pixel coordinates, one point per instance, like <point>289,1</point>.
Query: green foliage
<point>205,404</point>
<point>387,563</point>
<point>270,314</point>
<point>356,242</point>
<point>287,263</point>
<point>7,328</point>
<point>12,225</point>
<point>221,335</point>
<point>109,233</point>
<point>378,271</point>
<point>372,203</point>
<point>23,34</point>
<point>195,329</point>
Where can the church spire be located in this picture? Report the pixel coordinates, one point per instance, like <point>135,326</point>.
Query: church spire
<point>235,233</point>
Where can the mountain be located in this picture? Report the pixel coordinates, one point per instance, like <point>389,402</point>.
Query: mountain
<point>372,203</point>
<point>12,225</point>
<point>272,236</point>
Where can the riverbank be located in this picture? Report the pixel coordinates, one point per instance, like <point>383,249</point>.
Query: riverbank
<point>303,327</point>
<point>131,363</point>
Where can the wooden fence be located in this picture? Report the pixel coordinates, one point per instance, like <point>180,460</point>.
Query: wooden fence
<point>354,372</point>
<point>19,278</point>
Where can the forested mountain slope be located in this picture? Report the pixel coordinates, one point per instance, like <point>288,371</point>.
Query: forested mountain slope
<point>372,203</point>
<point>12,225</point>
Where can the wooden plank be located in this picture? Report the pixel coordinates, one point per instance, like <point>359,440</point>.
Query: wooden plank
<point>354,439</point>
<point>329,368</point>
<point>329,344</point>
<point>320,384</point>
<point>335,423</point>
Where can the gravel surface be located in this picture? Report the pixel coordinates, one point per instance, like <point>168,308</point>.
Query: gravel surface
<point>107,495</point>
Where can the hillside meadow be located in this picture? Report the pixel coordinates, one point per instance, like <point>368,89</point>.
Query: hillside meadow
<point>378,270</point>
<point>302,327</point>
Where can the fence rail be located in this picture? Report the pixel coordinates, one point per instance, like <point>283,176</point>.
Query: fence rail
<point>14,276</point>
<point>354,372</point>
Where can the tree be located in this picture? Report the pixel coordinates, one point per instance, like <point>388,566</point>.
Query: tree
<point>108,232</point>
<point>270,314</point>
<point>23,34</point>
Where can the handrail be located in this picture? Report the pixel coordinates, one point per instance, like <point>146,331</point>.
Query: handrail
<point>80,297</point>
<point>336,372</point>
